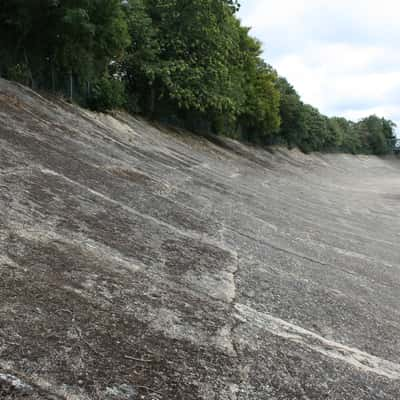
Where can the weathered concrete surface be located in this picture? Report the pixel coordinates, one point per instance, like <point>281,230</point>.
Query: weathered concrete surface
<point>142,264</point>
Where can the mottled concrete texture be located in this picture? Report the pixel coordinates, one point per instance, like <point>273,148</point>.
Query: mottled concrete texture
<point>142,263</point>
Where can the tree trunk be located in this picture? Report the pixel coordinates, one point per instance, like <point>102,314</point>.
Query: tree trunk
<point>53,79</point>
<point>32,83</point>
<point>71,87</point>
<point>152,101</point>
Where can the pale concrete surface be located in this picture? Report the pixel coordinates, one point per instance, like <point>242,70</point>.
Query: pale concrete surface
<point>140,263</point>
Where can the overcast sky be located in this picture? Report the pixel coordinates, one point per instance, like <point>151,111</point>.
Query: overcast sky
<point>342,56</point>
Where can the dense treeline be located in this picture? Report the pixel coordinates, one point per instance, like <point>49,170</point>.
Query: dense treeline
<point>187,62</point>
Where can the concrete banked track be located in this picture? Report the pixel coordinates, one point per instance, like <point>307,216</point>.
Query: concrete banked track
<point>141,263</point>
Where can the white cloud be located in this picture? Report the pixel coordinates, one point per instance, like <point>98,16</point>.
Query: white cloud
<point>342,57</point>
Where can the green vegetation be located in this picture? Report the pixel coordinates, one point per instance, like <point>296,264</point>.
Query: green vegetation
<point>186,62</point>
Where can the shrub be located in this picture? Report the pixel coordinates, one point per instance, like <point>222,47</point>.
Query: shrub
<point>107,94</point>
<point>19,73</point>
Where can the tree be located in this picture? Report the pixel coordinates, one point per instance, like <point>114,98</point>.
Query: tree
<point>78,37</point>
<point>92,34</point>
<point>292,128</point>
<point>335,135</point>
<point>27,34</point>
<point>316,130</point>
<point>186,53</point>
<point>376,134</point>
<point>260,118</point>
<point>349,138</point>
<point>140,65</point>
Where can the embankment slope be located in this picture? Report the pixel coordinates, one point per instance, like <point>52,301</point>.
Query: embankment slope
<point>142,263</point>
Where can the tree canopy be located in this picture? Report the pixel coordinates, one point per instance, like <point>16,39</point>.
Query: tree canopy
<point>187,62</point>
